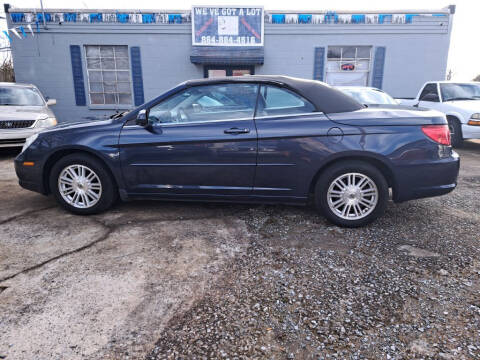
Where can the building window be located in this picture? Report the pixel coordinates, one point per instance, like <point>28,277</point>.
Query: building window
<point>348,65</point>
<point>109,79</point>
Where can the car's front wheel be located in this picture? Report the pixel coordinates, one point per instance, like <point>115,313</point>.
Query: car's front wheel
<point>82,185</point>
<point>351,193</point>
<point>455,132</point>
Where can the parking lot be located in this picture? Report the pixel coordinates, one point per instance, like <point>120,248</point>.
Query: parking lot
<point>165,280</point>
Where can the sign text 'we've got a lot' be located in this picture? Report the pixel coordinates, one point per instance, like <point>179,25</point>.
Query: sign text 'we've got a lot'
<point>227,26</point>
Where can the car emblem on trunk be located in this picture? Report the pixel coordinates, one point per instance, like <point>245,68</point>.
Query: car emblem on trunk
<point>9,124</point>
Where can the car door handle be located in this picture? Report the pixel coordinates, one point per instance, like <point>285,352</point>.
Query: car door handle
<point>235,131</point>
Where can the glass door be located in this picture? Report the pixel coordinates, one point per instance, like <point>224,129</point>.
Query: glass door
<point>213,71</point>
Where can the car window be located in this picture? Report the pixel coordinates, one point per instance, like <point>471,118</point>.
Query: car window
<point>206,103</point>
<point>459,91</point>
<point>20,96</point>
<point>279,101</point>
<point>429,89</point>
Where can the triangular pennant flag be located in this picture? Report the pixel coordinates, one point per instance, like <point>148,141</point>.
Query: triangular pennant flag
<point>15,32</point>
<point>22,29</point>
<point>31,30</point>
<point>8,36</point>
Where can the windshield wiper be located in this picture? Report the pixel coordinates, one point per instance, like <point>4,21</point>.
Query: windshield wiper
<point>118,115</point>
<point>460,98</point>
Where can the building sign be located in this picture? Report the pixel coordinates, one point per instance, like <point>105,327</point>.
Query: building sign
<point>227,26</point>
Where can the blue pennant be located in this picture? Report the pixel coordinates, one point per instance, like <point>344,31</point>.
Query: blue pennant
<point>278,18</point>
<point>18,17</point>
<point>8,36</point>
<point>23,31</point>
<point>123,18</point>
<point>174,18</point>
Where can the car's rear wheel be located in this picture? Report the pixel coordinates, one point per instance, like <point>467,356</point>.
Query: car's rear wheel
<point>351,193</point>
<point>455,132</point>
<point>82,184</point>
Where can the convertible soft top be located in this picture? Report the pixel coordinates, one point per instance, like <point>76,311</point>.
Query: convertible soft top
<point>325,98</point>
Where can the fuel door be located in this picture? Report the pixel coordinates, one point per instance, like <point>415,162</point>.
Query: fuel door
<point>335,135</point>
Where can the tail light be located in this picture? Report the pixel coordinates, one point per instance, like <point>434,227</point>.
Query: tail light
<point>438,133</point>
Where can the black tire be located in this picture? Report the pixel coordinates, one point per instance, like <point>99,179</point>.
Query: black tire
<point>109,193</point>
<point>333,172</point>
<point>455,132</point>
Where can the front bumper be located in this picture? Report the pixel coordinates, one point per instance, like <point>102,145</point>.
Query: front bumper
<point>426,179</point>
<point>470,131</point>
<point>29,177</point>
<point>16,137</point>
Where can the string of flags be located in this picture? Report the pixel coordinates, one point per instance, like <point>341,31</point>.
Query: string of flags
<point>19,31</point>
<point>30,19</point>
<point>331,17</point>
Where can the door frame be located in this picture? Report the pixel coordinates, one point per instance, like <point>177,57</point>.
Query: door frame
<point>228,68</point>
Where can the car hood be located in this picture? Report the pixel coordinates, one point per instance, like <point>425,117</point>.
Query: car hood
<point>469,105</point>
<point>9,112</point>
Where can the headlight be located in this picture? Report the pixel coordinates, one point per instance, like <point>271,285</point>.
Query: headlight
<point>474,120</point>
<point>29,142</point>
<point>47,122</point>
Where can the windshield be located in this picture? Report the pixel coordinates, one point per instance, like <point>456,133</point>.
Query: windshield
<point>370,96</point>
<point>452,91</point>
<point>20,96</point>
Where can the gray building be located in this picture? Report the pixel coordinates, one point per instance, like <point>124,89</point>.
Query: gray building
<point>95,62</point>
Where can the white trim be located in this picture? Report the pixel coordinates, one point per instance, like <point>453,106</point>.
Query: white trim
<point>290,115</point>
<point>205,122</point>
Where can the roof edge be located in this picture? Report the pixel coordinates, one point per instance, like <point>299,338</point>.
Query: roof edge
<point>448,10</point>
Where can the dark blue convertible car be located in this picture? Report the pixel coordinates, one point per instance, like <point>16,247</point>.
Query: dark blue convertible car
<point>247,139</point>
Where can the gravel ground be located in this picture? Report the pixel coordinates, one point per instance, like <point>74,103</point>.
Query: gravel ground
<point>154,280</point>
<point>408,286</point>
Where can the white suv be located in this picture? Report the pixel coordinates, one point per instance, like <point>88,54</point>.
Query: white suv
<point>23,112</point>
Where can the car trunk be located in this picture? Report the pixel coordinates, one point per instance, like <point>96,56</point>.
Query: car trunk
<point>389,117</point>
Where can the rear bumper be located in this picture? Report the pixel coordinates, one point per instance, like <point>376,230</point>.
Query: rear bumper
<point>426,180</point>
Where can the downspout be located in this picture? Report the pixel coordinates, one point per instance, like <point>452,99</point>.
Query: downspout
<point>43,16</point>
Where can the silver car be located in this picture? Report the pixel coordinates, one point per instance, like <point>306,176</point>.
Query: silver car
<point>369,96</point>
<point>23,112</point>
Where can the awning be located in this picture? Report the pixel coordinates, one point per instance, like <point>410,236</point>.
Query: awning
<point>226,55</point>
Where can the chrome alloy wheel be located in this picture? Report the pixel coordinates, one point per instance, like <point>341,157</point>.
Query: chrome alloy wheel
<point>79,186</point>
<point>352,196</point>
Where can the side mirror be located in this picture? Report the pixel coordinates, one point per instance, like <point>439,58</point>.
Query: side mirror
<point>430,97</point>
<point>142,119</point>
<point>51,102</point>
